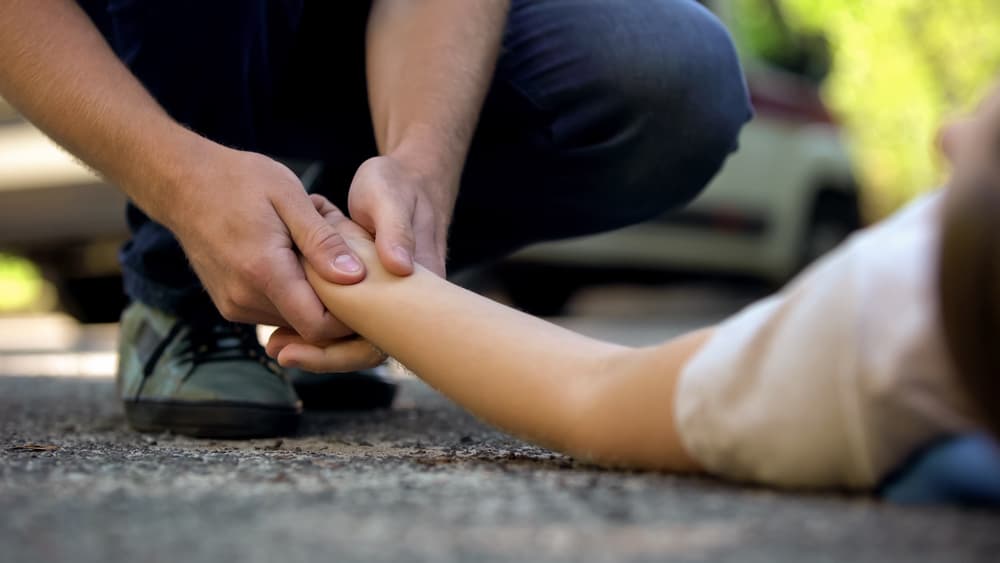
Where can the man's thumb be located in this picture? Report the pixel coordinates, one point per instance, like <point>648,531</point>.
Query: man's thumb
<point>322,245</point>
<point>394,239</point>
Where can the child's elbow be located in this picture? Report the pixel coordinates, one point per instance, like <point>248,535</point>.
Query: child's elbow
<point>590,443</point>
<point>596,437</point>
<point>622,417</point>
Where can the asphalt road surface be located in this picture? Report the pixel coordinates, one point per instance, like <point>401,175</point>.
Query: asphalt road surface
<point>421,482</point>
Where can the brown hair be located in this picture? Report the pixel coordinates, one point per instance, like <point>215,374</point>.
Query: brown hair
<point>969,290</point>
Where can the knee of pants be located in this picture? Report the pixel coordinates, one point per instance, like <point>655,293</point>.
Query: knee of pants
<point>668,90</point>
<point>697,96</point>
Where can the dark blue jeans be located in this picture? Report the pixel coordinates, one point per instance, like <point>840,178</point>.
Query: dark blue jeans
<point>962,470</point>
<point>601,114</point>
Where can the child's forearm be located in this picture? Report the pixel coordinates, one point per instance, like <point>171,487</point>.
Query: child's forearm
<point>509,368</point>
<point>527,376</point>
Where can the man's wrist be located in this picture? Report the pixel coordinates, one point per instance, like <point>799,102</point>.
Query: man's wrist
<point>435,158</point>
<point>161,185</point>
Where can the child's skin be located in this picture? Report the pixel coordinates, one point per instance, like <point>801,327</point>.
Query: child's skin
<point>599,402</point>
<point>596,401</point>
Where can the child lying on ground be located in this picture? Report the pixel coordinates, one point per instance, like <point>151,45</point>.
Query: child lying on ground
<point>885,346</point>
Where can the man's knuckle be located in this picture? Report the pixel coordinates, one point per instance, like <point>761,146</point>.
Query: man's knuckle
<point>309,335</point>
<point>324,238</point>
<point>229,309</point>
<point>256,272</point>
<point>310,332</point>
<point>403,233</point>
<point>241,296</point>
<point>373,356</point>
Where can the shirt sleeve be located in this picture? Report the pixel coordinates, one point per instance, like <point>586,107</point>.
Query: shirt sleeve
<point>771,397</point>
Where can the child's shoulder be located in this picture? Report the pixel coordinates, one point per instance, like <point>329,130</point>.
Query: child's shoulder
<point>811,386</point>
<point>920,216</point>
<point>901,250</point>
<point>893,269</point>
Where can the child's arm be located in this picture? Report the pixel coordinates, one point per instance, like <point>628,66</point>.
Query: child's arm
<point>593,400</point>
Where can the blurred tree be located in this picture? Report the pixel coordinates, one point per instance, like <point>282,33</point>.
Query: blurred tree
<point>899,69</point>
<point>764,31</point>
<point>21,285</point>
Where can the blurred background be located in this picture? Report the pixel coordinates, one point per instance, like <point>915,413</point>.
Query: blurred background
<point>848,95</point>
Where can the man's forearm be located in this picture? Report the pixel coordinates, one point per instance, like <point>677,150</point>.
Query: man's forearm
<point>430,63</point>
<point>58,71</point>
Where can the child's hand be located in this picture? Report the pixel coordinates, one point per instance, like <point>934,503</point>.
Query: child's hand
<point>341,355</point>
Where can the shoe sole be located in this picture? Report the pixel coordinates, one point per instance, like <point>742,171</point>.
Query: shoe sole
<point>212,420</point>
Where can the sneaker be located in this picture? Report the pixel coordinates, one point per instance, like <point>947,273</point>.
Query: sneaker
<point>206,379</point>
<point>354,391</point>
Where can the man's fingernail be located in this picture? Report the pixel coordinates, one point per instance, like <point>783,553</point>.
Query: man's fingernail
<point>401,254</point>
<point>346,263</point>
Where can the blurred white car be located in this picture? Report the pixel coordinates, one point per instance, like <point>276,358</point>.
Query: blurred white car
<point>786,197</point>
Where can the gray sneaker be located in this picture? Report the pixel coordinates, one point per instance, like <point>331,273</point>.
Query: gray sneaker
<point>208,379</point>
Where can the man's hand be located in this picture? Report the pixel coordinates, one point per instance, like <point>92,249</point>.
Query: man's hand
<point>408,213</point>
<point>242,221</point>
<point>428,67</point>
<point>350,353</point>
<point>239,216</point>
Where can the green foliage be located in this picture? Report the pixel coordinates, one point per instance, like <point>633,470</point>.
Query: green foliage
<point>21,285</point>
<point>900,69</point>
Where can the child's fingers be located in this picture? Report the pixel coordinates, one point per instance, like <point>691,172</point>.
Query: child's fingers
<point>345,355</point>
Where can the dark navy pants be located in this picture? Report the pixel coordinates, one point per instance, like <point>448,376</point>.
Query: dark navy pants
<point>962,470</point>
<point>601,114</point>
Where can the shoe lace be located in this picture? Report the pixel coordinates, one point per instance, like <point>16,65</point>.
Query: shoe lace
<point>225,341</point>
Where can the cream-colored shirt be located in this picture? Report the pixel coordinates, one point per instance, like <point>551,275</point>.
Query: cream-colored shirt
<point>837,379</point>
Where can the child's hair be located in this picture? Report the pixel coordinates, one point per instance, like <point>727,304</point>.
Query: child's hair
<point>969,288</point>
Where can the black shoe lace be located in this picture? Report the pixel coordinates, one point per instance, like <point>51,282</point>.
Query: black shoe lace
<point>225,341</point>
